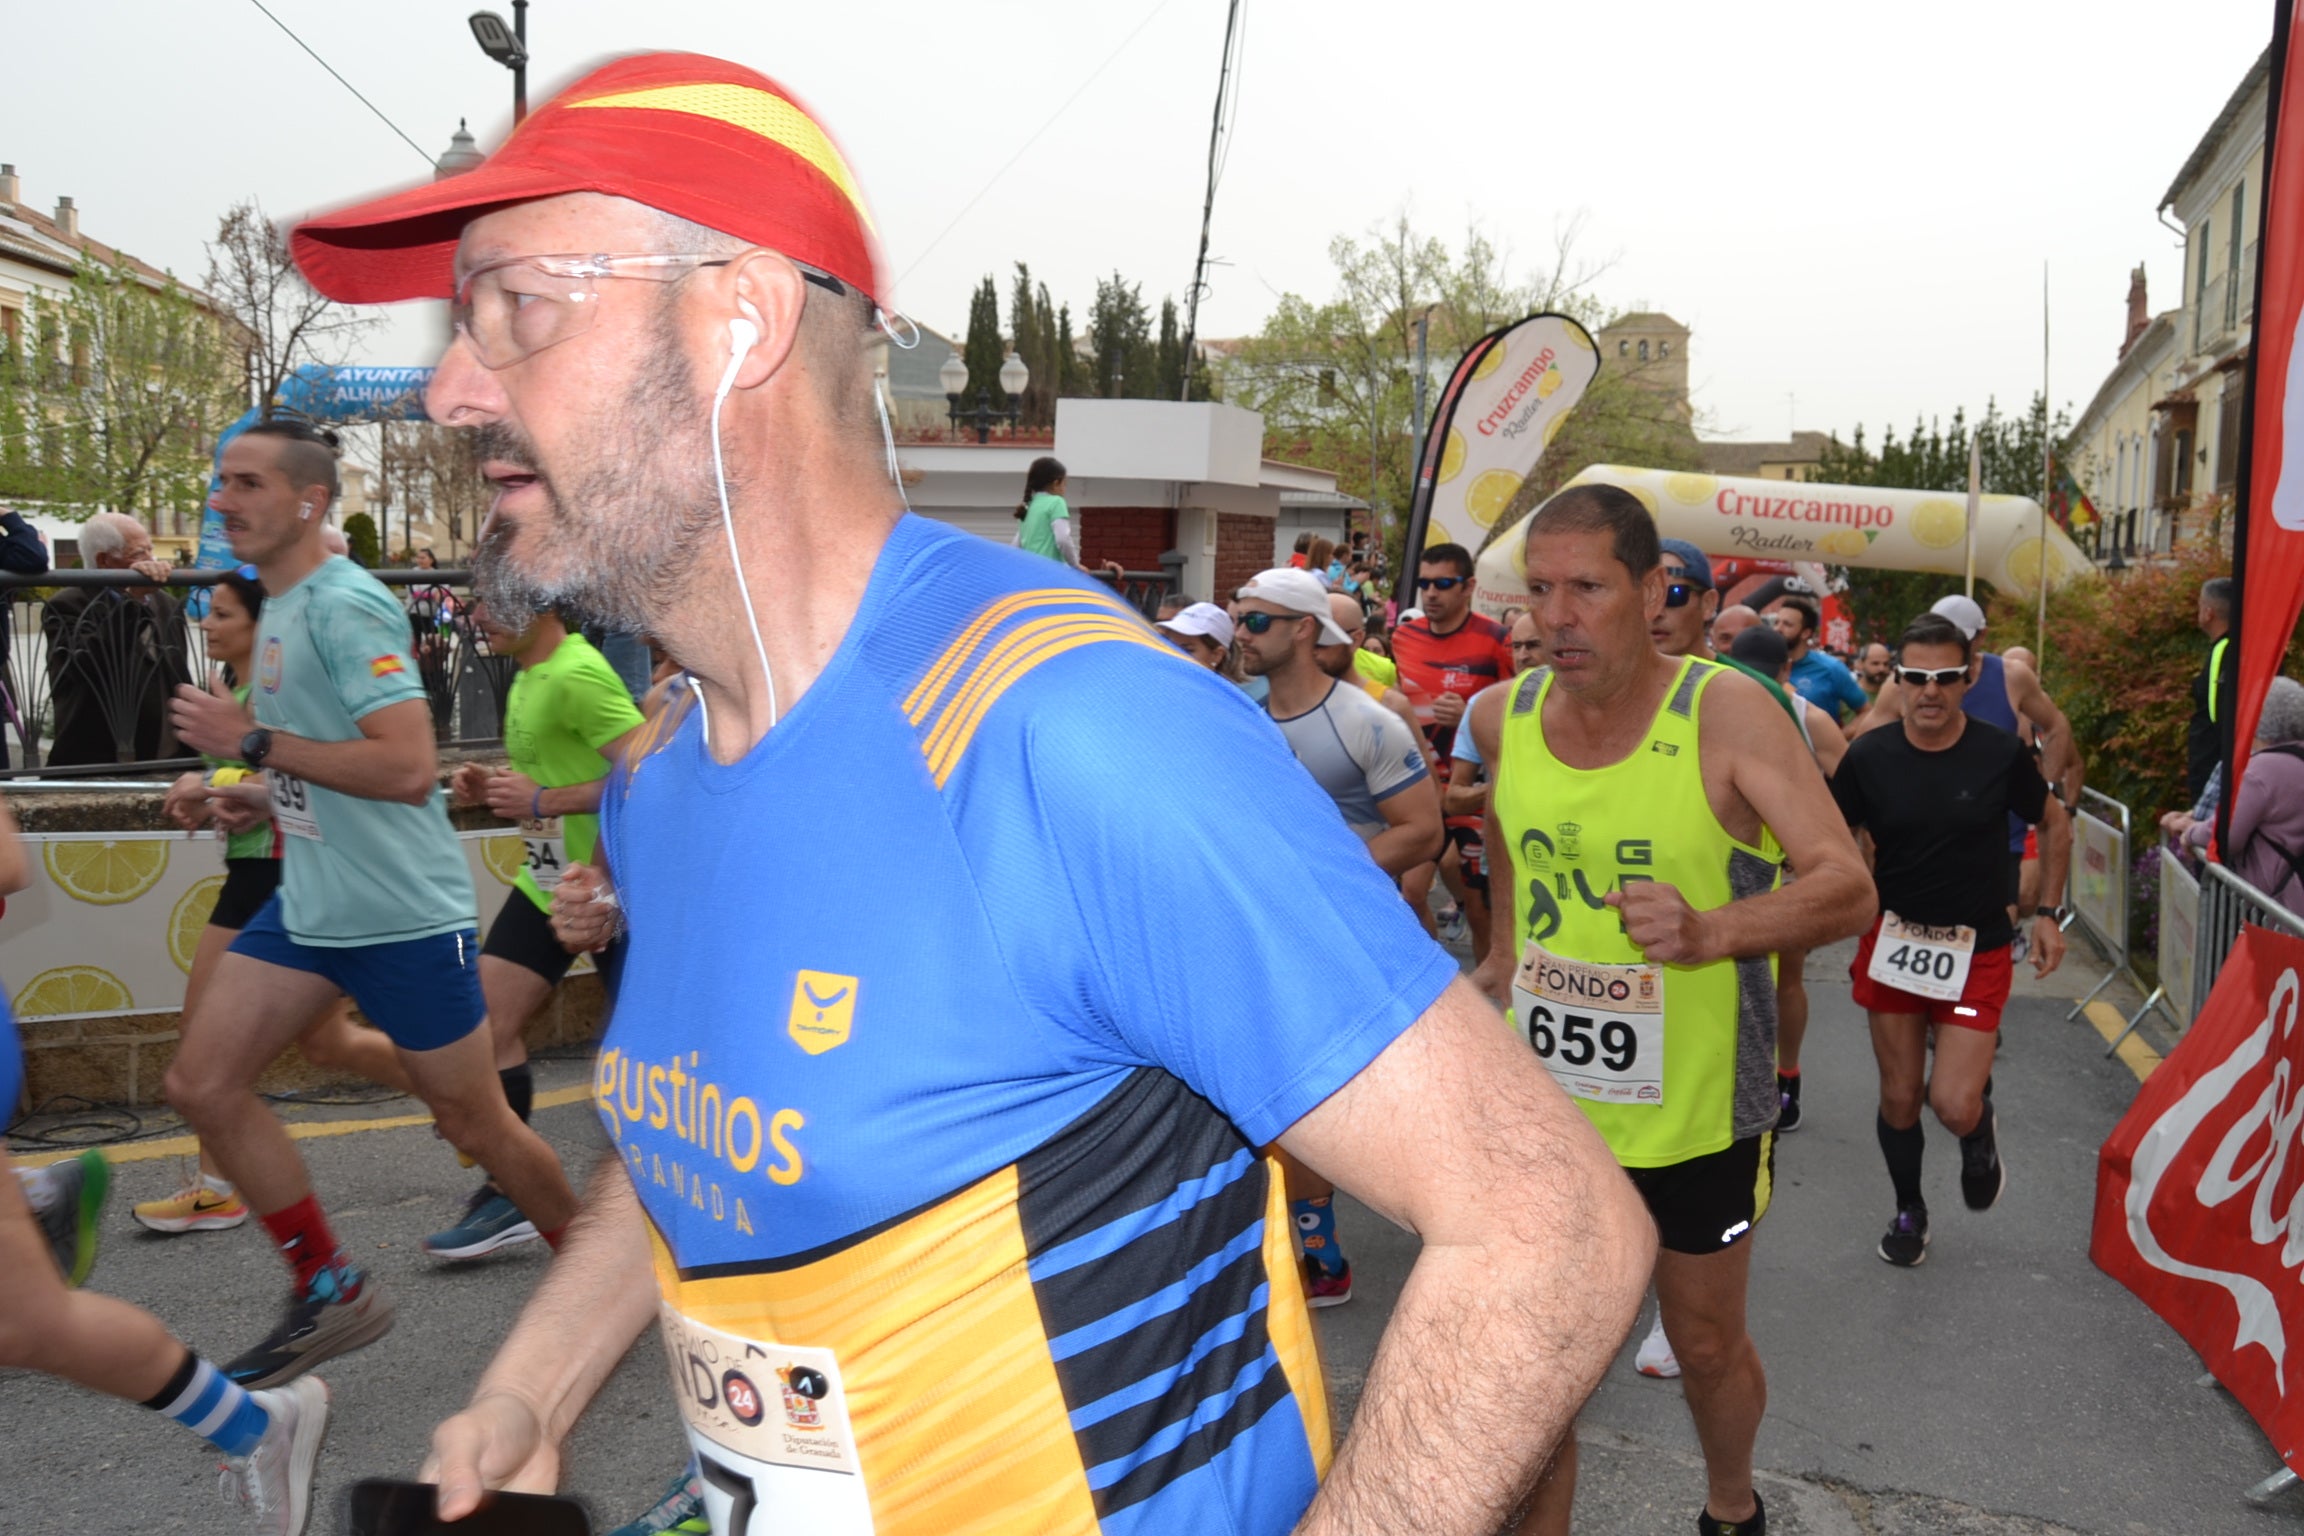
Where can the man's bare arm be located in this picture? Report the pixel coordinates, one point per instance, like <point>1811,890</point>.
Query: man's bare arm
<point>1412,832</point>
<point>1466,793</point>
<point>1831,745</point>
<point>1536,1251</point>
<point>1494,975</point>
<point>592,1303</point>
<point>2059,754</point>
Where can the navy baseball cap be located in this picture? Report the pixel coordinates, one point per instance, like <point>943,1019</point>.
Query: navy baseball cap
<point>1699,568</point>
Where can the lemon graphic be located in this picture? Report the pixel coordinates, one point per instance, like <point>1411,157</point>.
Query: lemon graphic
<point>1690,490</point>
<point>1489,494</point>
<point>2024,565</point>
<point>190,919</point>
<point>505,857</point>
<point>1489,363</point>
<point>107,873</point>
<point>1451,456</point>
<point>1939,524</point>
<point>1843,541</point>
<point>1574,336</point>
<point>73,989</point>
<point>1548,385</point>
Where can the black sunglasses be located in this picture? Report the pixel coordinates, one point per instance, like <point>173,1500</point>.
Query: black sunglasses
<point>1677,593</point>
<point>1439,583</point>
<point>1921,677</point>
<point>1257,623</point>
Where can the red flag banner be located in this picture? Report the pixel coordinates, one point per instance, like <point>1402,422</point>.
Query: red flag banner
<point>2200,1189</point>
<point>2269,550</point>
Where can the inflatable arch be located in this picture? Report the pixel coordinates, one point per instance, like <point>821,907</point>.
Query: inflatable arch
<point>1790,520</point>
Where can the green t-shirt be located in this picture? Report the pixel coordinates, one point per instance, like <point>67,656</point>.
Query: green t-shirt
<point>330,651</point>
<point>1039,533</point>
<point>1376,668</point>
<point>562,711</point>
<point>258,842</point>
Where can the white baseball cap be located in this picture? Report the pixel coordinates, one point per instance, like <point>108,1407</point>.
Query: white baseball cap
<point>1298,592</point>
<point>1963,612</point>
<point>1201,619</point>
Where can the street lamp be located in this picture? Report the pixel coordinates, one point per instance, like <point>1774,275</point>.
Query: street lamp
<point>508,46</point>
<point>1014,377</point>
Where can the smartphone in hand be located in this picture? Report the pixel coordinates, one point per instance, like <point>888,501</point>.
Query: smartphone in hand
<point>379,1506</point>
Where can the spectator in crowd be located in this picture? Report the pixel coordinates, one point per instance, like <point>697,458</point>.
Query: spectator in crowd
<point>2213,690</point>
<point>1048,527</point>
<point>1303,553</point>
<point>1873,663</point>
<point>1733,621</point>
<point>1321,561</point>
<point>1201,631</point>
<point>23,551</point>
<point>2267,842</point>
<point>115,654</point>
<point>1823,680</point>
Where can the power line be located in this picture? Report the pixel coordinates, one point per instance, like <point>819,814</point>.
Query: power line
<point>340,80</point>
<point>1028,143</point>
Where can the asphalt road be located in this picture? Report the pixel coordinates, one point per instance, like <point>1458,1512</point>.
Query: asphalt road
<point>2004,1387</point>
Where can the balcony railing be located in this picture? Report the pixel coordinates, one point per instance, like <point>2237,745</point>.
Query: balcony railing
<point>89,658</point>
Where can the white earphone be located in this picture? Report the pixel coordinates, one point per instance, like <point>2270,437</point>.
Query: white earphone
<point>304,510</point>
<point>743,336</point>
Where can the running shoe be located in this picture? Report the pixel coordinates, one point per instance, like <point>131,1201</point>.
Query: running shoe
<point>200,1206</point>
<point>679,1513</point>
<point>1322,1289</point>
<point>1787,1103</point>
<point>69,1198</point>
<point>275,1479</point>
<point>1655,1357</point>
<point>1756,1524</point>
<point>339,1312</point>
<point>1905,1243</point>
<point>1982,1174</point>
<point>1453,928</point>
<point>491,1221</point>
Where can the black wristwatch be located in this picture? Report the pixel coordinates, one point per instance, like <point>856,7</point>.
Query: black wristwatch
<point>2053,914</point>
<point>255,747</point>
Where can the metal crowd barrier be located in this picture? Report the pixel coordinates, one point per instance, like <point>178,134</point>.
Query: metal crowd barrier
<point>107,647</point>
<point>2226,903</point>
<point>2099,883</point>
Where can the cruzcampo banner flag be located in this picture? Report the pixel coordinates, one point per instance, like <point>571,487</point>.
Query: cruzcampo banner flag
<point>1504,402</point>
<point>2069,504</point>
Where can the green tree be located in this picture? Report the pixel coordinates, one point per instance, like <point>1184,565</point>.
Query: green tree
<point>1032,315</point>
<point>360,534</point>
<point>114,407</point>
<point>1072,377</point>
<point>1123,360</point>
<point>281,322</point>
<point>983,351</point>
<point>1933,456</point>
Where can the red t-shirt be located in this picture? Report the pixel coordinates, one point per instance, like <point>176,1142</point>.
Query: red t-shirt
<point>1469,658</point>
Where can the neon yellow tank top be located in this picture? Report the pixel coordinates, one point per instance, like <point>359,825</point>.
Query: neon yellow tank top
<point>1576,834</point>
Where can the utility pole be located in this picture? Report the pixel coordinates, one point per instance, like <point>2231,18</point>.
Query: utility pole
<point>1208,203</point>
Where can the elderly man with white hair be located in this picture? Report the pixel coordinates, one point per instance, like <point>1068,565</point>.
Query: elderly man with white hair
<point>114,653</point>
<point>2266,848</point>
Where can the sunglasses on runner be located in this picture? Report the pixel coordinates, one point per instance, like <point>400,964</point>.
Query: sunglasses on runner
<point>512,309</point>
<point>1439,583</point>
<point>1921,677</point>
<point>1677,593</point>
<point>1257,623</point>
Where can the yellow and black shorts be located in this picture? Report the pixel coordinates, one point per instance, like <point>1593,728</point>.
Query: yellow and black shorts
<point>1711,1202</point>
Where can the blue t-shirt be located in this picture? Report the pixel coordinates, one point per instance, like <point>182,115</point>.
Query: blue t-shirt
<point>967,1091</point>
<point>1826,682</point>
<point>330,651</point>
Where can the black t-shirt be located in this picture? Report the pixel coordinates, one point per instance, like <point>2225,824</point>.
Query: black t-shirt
<point>1939,822</point>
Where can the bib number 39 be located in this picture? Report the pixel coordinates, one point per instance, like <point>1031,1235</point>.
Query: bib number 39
<point>1598,1029</point>
<point>1925,961</point>
<point>292,805</point>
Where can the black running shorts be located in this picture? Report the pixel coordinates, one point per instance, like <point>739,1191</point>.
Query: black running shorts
<point>1711,1202</point>
<point>522,934</point>
<point>248,884</point>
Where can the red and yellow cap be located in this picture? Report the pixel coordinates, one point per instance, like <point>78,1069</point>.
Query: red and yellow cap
<point>697,137</point>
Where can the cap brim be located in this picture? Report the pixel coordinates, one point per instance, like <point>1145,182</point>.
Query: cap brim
<point>403,246</point>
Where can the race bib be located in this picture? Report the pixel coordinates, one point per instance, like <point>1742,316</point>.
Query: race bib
<point>292,805</point>
<point>547,851</point>
<point>769,1425</point>
<point>1598,1029</point>
<point>1924,961</point>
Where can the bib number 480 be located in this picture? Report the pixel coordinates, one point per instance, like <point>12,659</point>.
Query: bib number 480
<point>1926,964</point>
<point>1580,1039</point>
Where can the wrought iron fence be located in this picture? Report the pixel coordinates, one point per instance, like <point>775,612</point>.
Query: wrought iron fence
<point>88,659</point>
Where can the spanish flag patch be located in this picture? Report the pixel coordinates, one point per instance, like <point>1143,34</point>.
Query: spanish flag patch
<point>385,666</point>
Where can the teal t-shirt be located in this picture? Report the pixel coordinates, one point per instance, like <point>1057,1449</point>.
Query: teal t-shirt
<point>1039,532</point>
<point>330,651</point>
<point>561,712</point>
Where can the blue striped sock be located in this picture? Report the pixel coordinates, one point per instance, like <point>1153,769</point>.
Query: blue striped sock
<point>212,1405</point>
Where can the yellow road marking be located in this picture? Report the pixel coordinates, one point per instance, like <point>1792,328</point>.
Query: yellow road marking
<point>302,1130</point>
<point>2141,1058</point>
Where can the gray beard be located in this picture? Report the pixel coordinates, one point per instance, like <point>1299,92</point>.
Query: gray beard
<point>625,538</point>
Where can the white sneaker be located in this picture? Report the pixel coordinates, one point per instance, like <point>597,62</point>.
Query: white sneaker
<point>275,1479</point>
<point>1655,1356</point>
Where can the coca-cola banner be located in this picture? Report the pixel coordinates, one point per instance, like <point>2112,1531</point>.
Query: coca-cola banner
<point>2200,1190</point>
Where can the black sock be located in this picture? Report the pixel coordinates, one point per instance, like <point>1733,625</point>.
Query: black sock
<point>1903,1148</point>
<point>519,1089</point>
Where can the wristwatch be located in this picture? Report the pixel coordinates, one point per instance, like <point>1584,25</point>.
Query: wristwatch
<point>2053,914</point>
<point>255,746</point>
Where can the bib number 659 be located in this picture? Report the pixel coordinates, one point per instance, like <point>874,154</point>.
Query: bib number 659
<point>1579,1039</point>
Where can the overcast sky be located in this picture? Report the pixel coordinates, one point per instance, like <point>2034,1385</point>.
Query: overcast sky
<point>1850,205</point>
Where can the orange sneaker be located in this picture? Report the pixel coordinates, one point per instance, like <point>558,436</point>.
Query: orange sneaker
<point>198,1207</point>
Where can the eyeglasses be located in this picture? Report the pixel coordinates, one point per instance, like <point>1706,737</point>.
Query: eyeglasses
<point>514,308</point>
<point>1677,593</point>
<point>1921,677</point>
<point>1256,622</point>
<point>1439,583</point>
